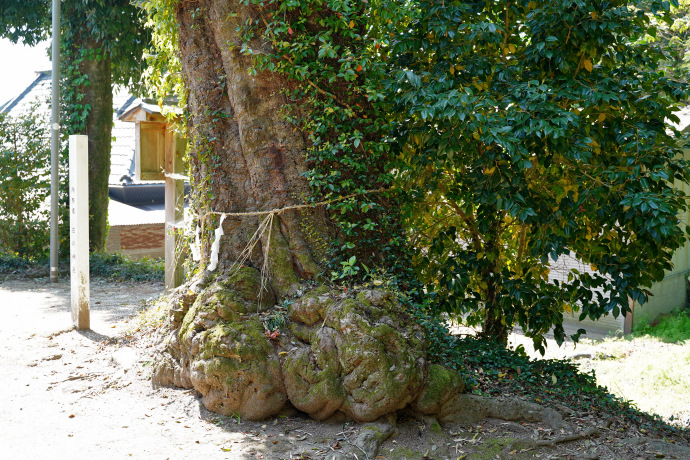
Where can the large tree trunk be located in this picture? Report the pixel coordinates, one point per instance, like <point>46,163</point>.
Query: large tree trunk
<point>98,94</point>
<point>229,337</point>
<point>246,158</point>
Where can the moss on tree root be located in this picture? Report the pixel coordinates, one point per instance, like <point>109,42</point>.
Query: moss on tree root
<point>357,353</point>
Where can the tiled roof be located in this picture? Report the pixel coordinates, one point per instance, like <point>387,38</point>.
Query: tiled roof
<point>37,92</point>
<point>122,214</point>
<point>122,150</point>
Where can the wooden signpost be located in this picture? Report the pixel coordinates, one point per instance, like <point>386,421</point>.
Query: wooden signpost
<point>174,208</point>
<point>79,230</point>
<point>159,155</point>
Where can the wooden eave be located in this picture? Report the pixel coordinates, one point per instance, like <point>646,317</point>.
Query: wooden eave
<point>140,113</point>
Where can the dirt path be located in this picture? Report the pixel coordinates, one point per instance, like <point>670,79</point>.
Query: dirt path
<point>86,395</point>
<point>75,395</point>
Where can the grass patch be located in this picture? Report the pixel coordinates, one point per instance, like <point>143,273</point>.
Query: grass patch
<point>651,374</point>
<point>649,368</point>
<point>671,328</point>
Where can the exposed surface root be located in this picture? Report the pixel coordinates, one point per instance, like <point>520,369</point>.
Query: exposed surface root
<point>529,444</point>
<point>467,408</point>
<point>337,352</point>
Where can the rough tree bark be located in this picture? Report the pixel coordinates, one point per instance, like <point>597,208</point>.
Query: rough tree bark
<point>255,159</point>
<point>355,353</point>
<point>98,94</point>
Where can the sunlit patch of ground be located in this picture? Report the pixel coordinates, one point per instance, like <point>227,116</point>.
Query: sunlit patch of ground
<point>651,374</point>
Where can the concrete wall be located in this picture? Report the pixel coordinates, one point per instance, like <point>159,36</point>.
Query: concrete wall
<point>605,325</point>
<point>671,293</point>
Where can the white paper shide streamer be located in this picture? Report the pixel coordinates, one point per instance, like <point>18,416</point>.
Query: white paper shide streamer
<point>264,227</point>
<point>196,246</point>
<point>215,247</point>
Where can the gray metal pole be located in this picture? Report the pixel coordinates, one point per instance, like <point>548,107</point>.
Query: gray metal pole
<point>55,145</point>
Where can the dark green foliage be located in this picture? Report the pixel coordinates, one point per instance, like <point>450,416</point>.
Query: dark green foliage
<point>24,186</point>
<point>117,27</point>
<point>524,132</point>
<point>112,266</point>
<point>106,35</point>
<point>26,20</point>
<point>442,347</point>
<point>672,34</point>
<point>500,371</point>
<point>534,131</point>
<point>490,368</point>
<point>116,266</point>
<point>482,362</point>
<point>493,362</point>
<point>102,44</point>
<point>10,263</point>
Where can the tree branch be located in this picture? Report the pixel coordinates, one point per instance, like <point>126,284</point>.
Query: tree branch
<point>469,220</point>
<point>523,238</point>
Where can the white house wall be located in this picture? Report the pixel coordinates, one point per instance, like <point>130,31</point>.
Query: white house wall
<point>671,293</point>
<point>559,271</point>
